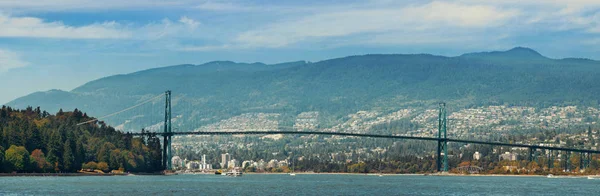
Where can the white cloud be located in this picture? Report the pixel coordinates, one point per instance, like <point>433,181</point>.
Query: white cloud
<point>32,27</point>
<point>290,24</point>
<point>433,16</point>
<point>555,15</point>
<point>225,6</point>
<point>36,27</point>
<point>189,22</point>
<point>183,28</point>
<point>63,5</point>
<point>10,60</point>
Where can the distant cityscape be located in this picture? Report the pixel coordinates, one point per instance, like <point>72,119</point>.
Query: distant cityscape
<point>228,162</point>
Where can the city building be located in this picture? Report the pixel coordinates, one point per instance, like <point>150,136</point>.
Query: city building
<point>508,156</point>
<point>476,156</point>
<point>272,163</point>
<point>232,163</point>
<point>176,162</point>
<point>225,158</point>
<point>204,165</point>
<point>247,164</point>
<point>193,165</point>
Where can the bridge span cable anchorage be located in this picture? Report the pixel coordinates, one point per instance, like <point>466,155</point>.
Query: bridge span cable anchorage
<point>124,110</point>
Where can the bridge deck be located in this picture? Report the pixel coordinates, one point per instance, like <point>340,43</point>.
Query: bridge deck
<point>372,136</point>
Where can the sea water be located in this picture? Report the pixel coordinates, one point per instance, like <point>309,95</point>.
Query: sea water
<point>301,184</point>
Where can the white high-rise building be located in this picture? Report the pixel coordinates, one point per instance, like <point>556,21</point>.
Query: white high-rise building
<point>225,158</point>
<point>476,156</point>
<point>232,163</point>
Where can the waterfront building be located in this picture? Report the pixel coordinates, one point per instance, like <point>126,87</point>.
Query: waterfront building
<point>204,165</point>
<point>225,158</point>
<point>272,163</point>
<point>476,156</point>
<point>246,164</point>
<point>193,165</point>
<point>176,162</point>
<point>260,165</point>
<point>508,156</point>
<point>233,163</point>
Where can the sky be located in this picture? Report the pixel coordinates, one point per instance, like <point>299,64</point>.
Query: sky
<point>62,44</point>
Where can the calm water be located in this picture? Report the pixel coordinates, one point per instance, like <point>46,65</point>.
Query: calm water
<point>296,185</point>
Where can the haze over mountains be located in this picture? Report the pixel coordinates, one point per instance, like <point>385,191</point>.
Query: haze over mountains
<point>218,90</point>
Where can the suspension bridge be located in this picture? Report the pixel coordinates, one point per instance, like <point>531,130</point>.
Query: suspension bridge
<point>441,139</point>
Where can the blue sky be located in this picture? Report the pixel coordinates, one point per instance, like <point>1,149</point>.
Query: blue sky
<point>61,44</point>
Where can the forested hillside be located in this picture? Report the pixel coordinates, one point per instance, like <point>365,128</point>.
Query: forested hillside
<point>335,88</point>
<point>32,140</point>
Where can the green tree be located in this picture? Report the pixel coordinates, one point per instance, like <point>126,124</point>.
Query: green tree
<point>90,165</point>
<point>17,158</point>
<point>104,152</point>
<point>115,159</point>
<point>54,148</point>
<point>1,159</point>
<point>68,158</point>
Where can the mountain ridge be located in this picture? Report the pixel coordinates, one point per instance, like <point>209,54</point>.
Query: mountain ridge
<point>518,49</point>
<point>337,87</point>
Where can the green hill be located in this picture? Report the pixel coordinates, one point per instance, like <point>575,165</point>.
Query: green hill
<point>337,87</point>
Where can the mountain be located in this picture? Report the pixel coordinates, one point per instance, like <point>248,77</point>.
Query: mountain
<point>515,53</point>
<point>337,87</point>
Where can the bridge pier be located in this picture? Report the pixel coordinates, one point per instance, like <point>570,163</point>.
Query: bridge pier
<point>550,160</point>
<point>580,160</point>
<point>167,133</point>
<point>530,157</point>
<point>589,160</point>
<point>567,161</point>
<point>442,142</point>
<point>164,153</point>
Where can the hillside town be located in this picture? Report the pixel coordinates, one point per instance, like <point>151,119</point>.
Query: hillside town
<point>480,122</point>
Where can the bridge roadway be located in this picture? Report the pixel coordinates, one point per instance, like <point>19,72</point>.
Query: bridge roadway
<point>372,136</point>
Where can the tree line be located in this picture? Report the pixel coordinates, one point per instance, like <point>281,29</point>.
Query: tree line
<point>32,140</point>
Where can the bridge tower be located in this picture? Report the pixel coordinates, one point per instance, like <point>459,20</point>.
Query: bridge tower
<point>442,142</point>
<point>167,130</point>
<point>533,155</point>
<point>550,160</point>
<point>588,160</point>
<point>568,161</point>
<point>581,160</point>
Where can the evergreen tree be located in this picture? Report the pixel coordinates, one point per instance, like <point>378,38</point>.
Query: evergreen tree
<point>57,144</point>
<point>2,167</point>
<point>68,158</point>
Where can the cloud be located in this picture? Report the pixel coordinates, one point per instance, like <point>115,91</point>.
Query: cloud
<point>10,60</point>
<point>32,27</point>
<point>281,24</point>
<point>79,5</point>
<point>433,16</point>
<point>184,28</point>
<point>189,22</point>
<point>36,27</point>
<point>555,15</point>
<point>226,6</point>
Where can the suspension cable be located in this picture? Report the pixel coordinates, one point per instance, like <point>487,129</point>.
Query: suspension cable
<point>129,108</point>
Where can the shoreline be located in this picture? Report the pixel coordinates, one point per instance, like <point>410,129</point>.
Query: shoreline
<point>73,174</point>
<point>253,173</point>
